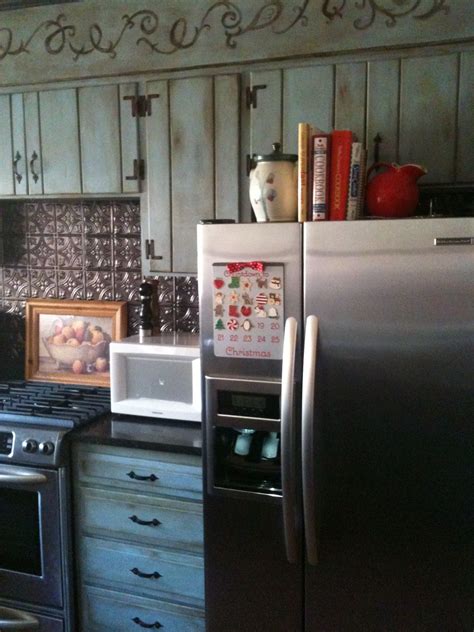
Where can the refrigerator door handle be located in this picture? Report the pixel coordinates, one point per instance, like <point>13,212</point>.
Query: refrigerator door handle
<point>307,433</point>
<point>288,440</point>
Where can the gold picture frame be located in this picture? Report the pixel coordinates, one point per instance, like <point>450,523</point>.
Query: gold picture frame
<point>67,341</point>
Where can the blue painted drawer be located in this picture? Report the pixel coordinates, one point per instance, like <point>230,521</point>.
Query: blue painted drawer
<point>165,473</point>
<point>129,567</point>
<point>111,514</point>
<point>111,611</point>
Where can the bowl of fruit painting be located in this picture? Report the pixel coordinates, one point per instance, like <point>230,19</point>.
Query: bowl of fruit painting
<point>68,341</point>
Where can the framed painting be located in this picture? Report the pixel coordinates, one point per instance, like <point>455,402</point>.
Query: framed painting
<point>68,341</point>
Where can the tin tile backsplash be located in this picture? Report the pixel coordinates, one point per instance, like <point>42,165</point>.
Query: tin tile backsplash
<point>79,250</point>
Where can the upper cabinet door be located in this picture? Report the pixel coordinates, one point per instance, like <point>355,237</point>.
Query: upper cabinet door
<point>192,165</point>
<point>99,126</point>
<point>19,163</point>
<point>60,141</point>
<point>7,185</point>
<point>192,138</point>
<point>33,143</point>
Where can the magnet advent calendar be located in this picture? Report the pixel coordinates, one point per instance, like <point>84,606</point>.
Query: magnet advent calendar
<point>248,310</point>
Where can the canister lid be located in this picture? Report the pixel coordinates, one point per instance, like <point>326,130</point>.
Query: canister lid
<point>275,155</point>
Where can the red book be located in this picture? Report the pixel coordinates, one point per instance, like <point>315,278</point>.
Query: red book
<point>341,147</point>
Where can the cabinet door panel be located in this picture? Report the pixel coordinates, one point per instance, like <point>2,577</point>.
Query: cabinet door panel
<point>33,144</point>
<point>350,98</point>
<point>428,115</point>
<point>226,108</point>
<point>100,139</point>
<point>158,178</point>
<point>60,141</point>
<point>192,160</point>
<point>308,97</point>
<point>383,109</point>
<point>465,159</point>
<point>128,137</point>
<point>19,145</point>
<point>7,186</point>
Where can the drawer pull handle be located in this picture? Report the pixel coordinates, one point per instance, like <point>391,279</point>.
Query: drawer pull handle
<point>136,477</point>
<point>139,573</point>
<point>148,523</point>
<point>142,624</point>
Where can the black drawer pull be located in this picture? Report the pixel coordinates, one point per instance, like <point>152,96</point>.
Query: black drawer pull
<point>136,477</point>
<point>136,571</point>
<point>142,624</point>
<point>148,523</point>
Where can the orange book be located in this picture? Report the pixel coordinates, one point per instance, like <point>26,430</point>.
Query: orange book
<point>341,148</point>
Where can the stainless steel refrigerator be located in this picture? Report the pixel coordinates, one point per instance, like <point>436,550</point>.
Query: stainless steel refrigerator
<point>338,368</point>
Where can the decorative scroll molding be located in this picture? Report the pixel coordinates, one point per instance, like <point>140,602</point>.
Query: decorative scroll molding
<point>391,10</point>
<point>59,35</point>
<point>149,31</point>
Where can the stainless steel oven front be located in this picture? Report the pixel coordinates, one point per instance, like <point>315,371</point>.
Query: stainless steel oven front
<point>31,535</point>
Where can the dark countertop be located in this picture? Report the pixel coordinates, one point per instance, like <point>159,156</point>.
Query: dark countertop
<point>142,432</point>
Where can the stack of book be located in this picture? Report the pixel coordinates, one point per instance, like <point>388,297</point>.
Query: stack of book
<point>331,174</point>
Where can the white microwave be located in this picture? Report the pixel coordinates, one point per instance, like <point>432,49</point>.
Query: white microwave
<point>159,377</point>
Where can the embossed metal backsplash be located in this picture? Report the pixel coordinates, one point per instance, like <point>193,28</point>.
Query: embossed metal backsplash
<point>78,250</point>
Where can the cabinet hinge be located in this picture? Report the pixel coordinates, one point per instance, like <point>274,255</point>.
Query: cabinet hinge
<point>138,170</point>
<point>150,250</point>
<point>141,105</point>
<point>251,95</point>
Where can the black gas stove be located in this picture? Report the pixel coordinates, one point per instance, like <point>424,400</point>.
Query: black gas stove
<point>35,416</point>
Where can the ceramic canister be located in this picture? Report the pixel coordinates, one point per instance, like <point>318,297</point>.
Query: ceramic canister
<point>273,186</point>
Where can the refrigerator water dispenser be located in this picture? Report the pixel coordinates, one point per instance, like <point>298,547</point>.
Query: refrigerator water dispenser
<point>243,435</point>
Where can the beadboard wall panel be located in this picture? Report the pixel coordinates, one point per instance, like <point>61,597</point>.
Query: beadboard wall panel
<point>428,114</point>
<point>308,95</point>
<point>465,138</point>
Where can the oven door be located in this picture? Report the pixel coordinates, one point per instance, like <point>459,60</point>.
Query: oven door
<point>13,619</point>
<point>30,535</point>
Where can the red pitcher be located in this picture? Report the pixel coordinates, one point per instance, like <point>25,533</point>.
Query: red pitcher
<point>393,193</point>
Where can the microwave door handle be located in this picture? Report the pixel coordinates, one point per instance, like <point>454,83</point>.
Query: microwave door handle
<point>288,440</point>
<point>18,476</point>
<point>13,619</point>
<point>307,435</point>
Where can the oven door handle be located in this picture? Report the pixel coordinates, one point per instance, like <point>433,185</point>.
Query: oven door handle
<point>18,476</point>
<point>12,619</point>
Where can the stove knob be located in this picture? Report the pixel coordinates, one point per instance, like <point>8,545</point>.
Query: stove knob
<point>29,445</point>
<point>46,447</point>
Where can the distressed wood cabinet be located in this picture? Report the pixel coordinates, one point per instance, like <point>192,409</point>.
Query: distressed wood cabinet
<point>192,139</point>
<point>139,539</point>
<point>40,143</point>
<point>109,139</point>
<point>69,141</point>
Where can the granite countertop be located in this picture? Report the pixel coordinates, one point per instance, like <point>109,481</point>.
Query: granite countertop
<point>142,432</point>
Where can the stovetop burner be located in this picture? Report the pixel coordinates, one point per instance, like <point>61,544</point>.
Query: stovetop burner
<point>59,405</point>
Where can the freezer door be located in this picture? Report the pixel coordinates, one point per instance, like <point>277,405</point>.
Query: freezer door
<point>250,281</point>
<point>392,444</point>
